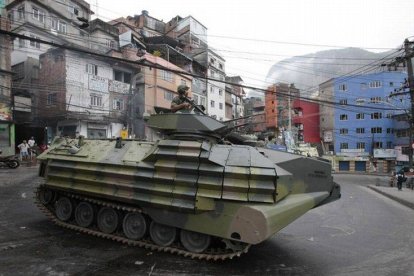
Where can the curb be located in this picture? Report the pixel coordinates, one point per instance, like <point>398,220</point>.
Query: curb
<point>402,201</point>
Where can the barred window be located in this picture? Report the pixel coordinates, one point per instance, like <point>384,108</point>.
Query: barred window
<point>360,145</point>
<point>360,130</point>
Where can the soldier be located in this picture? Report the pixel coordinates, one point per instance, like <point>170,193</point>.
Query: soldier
<point>179,102</point>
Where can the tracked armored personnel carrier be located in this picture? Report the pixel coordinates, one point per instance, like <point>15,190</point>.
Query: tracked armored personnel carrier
<point>190,193</point>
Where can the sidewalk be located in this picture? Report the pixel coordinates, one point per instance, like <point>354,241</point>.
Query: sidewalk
<point>405,197</point>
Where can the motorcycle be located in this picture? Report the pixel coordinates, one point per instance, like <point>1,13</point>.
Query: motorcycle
<point>11,161</point>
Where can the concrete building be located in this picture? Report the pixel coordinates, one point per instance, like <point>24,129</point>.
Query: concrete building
<point>254,111</point>
<point>54,21</point>
<point>234,98</point>
<point>326,122</point>
<point>89,95</point>
<point>193,35</point>
<point>160,86</point>
<point>305,119</point>
<point>279,106</point>
<point>363,126</point>
<point>7,130</point>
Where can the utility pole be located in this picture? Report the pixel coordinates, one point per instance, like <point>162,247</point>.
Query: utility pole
<point>409,57</point>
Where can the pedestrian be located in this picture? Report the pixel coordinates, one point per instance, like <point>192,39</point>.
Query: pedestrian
<point>31,142</point>
<point>24,150</point>
<point>400,179</point>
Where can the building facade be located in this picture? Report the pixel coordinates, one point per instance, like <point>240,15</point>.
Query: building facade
<point>89,95</point>
<point>7,128</point>
<point>363,130</point>
<point>52,21</point>
<point>306,121</point>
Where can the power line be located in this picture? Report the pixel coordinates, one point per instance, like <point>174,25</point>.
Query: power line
<point>145,64</point>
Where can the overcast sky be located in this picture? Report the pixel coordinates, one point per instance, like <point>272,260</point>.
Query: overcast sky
<point>253,35</point>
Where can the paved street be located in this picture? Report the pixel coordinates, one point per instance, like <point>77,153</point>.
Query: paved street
<point>364,233</point>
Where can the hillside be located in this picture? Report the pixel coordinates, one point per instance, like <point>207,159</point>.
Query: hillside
<point>310,70</point>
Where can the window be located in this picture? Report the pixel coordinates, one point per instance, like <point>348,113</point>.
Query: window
<point>118,104</point>
<point>360,116</point>
<point>110,43</point>
<point>405,150</point>
<point>389,145</point>
<point>35,43</point>
<point>390,130</point>
<point>401,133</point>
<point>388,116</point>
<point>166,75</point>
<point>378,145</point>
<point>376,130</point>
<point>92,69</point>
<point>360,145</point>
<point>375,84</point>
<point>391,84</point>
<point>20,12</point>
<point>38,15</point>
<point>220,92</point>
<point>376,115</point>
<point>343,102</point>
<point>96,100</point>
<point>221,66</point>
<point>343,117</point>
<point>61,27</point>
<point>168,95</point>
<point>343,145</point>
<point>195,98</point>
<point>203,101</point>
<point>376,100</point>
<point>343,87</point>
<point>74,10</point>
<point>53,24</point>
<point>122,76</point>
<point>212,103</point>
<point>22,43</point>
<point>220,105</point>
<point>51,98</point>
<point>343,131</point>
<point>360,130</point>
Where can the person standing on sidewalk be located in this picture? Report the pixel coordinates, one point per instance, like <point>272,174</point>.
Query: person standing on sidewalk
<point>400,179</point>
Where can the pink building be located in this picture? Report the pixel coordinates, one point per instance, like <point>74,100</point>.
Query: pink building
<point>306,119</point>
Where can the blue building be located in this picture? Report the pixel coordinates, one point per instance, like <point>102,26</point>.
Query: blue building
<point>364,119</point>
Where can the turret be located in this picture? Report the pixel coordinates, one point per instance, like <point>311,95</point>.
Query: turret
<point>187,126</point>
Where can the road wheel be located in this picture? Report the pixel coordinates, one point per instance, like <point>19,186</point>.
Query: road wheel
<point>194,242</point>
<point>162,234</point>
<point>107,220</point>
<point>134,226</point>
<point>84,214</point>
<point>64,209</point>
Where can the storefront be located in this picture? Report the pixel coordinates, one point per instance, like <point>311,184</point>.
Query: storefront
<point>7,138</point>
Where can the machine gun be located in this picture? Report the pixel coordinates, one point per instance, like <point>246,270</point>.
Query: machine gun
<point>199,108</point>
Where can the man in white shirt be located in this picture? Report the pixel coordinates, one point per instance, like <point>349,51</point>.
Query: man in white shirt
<point>24,150</point>
<point>31,142</point>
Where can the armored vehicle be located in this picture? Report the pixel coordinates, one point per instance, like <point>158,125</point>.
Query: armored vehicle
<point>191,193</point>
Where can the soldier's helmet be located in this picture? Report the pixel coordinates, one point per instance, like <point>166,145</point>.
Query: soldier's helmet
<point>182,88</point>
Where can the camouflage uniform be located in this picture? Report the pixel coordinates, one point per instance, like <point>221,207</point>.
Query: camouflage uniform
<point>177,100</point>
